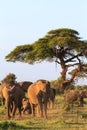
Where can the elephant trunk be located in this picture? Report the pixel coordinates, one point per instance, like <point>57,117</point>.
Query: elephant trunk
<point>8,107</point>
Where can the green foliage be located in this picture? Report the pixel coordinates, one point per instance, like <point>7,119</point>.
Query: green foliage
<point>63,32</point>
<point>18,54</point>
<point>79,87</point>
<point>65,37</point>
<point>40,52</point>
<point>57,84</point>
<point>41,49</point>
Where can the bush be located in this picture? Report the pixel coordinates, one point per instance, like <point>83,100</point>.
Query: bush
<point>10,125</point>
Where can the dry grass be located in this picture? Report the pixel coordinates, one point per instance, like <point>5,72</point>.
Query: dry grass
<point>58,119</point>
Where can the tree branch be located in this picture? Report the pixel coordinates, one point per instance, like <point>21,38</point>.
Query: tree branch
<point>70,65</point>
<point>70,59</point>
<point>57,61</point>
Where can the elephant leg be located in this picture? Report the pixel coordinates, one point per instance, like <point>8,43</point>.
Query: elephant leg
<point>33,109</point>
<point>40,103</point>
<point>8,108</point>
<point>52,104</point>
<point>38,110</point>
<point>29,110</point>
<point>19,108</point>
<point>45,109</point>
<point>48,103</point>
<point>14,110</point>
<point>8,113</point>
<point>11,107</point>
<point>25,109</point>
<point>2,101</point>
<point>41,109</point>
<point>80,100</point>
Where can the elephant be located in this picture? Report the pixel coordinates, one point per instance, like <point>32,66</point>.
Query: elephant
<point>13,99</point>
<point>2,100</point>
<point>75,95</point>
<point>52,97</point>
<point>38,94</point>
<point>26,106</point>
<point>24,85</point>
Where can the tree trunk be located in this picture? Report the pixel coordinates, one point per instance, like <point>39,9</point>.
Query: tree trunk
<point>64,68</point>
<point>63,73</point>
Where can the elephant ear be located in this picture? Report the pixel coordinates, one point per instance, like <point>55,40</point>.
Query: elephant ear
<point>42,86</point>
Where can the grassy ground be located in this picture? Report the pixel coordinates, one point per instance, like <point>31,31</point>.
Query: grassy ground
<point>58,119</point>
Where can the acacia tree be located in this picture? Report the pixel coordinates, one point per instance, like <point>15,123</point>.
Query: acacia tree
<point>64,46</point>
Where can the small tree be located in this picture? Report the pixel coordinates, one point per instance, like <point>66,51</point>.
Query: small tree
<point>64,46</point>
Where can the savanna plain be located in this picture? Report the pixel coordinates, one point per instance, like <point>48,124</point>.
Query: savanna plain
<point>59,118</point>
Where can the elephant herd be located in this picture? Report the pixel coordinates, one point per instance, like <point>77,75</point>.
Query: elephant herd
<point>38,95</point>
<point>78,96</point>
<point>26,96</point>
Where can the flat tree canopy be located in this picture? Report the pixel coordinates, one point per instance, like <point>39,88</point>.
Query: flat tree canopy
<point>64,46</point>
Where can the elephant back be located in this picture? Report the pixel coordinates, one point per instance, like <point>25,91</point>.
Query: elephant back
<point>17,92</point>
<point>24,85</point>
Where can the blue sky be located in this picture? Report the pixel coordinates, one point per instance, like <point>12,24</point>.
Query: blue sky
<point>24,21</point>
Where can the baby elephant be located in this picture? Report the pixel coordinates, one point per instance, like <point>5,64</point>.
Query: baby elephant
<point>26,106</point>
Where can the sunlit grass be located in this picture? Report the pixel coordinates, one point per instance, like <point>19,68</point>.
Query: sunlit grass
<point>58,119</point>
